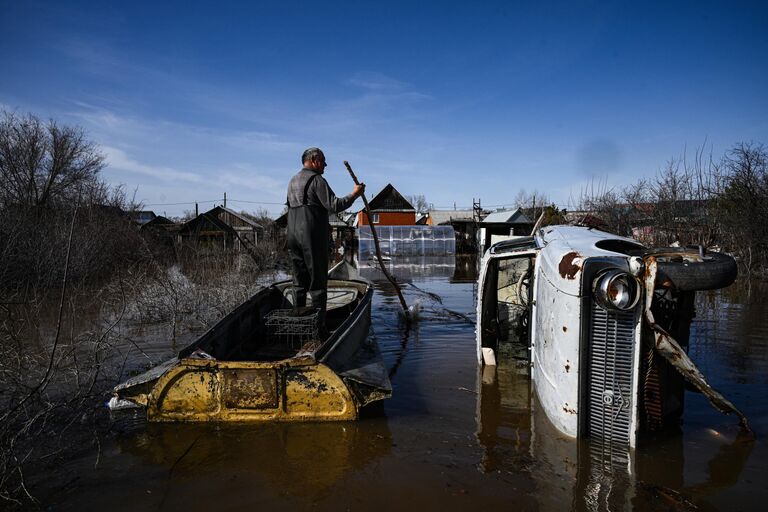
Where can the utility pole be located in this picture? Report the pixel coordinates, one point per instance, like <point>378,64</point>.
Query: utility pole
<point>477,210</point>
<point>225,199</point>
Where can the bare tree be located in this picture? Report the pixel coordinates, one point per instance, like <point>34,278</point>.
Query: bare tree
<point>535,203</point>
<point>419,202</point>
<point>45,164</point>
<point>50,176</point>
<point>743,203</point>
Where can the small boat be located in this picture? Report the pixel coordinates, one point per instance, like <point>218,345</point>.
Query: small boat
<point>265,361</point>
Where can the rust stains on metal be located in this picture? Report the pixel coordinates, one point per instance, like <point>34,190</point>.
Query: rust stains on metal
<point>565,329</point>
<point>568,266</point>
<point>569,410</point>
<point>567,366</point>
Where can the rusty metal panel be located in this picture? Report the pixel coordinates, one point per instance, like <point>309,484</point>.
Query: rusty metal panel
<point>205,390</point>
<point>185,392</point>
<point>249,388</point>
<point>555,340</point>
<point>317,392</point>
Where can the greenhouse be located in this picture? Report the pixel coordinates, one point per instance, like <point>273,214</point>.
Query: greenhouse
<point>407,241</point>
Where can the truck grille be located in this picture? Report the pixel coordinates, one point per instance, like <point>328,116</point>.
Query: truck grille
<point>609,375</point>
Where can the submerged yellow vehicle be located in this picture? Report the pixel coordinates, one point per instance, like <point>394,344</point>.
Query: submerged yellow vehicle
<point>265,362</point>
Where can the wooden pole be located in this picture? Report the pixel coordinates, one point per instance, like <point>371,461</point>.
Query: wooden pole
<point>389,276</point>
<point>538,224</point>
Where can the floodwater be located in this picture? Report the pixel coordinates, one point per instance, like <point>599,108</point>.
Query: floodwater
<point>450,438</point>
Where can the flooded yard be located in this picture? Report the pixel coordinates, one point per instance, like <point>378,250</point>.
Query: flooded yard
<point>451,437</point>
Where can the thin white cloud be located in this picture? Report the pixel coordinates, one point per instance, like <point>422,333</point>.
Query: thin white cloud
<point>119,160</point>
<point>99,118</point>
<point>260,141</point>
<point>377,82</point>
<point>239,180</point>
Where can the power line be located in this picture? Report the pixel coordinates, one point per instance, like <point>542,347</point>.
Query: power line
<point>220,200</point>
<point>253,202</point>
<point>450,207</point>
<point>181,204</point>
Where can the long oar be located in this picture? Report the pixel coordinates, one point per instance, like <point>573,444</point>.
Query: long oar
<point>391,279</point>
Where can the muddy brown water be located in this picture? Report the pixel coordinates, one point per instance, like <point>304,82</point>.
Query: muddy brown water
<point>450,438</point>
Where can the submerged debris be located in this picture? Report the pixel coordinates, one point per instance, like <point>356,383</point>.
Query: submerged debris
<point>672,352</point>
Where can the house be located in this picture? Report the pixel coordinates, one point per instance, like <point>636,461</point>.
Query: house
<point>158,222</point>
<point>341,229</point>
<point>388,208</point>
<point>503,223</point>
<point>141,217</point>
<point>162,233</point>
<point>448,217</point>
<point>222,228</point>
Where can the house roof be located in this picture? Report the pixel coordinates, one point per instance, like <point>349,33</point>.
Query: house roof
<point>158,221</point>
<point>447,216</point>
<point>142,216</point>
<point>389,199</point>
<point>213,217</point>
<point>338,220</point>
<point>240,216</point>
<point>507,217</point>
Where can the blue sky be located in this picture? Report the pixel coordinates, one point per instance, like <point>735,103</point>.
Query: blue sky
<point>453,100</point>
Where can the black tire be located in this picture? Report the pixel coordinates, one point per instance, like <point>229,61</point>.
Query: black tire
<point>687,270</point>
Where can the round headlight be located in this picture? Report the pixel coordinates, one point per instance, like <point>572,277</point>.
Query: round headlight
<point>616,290</point>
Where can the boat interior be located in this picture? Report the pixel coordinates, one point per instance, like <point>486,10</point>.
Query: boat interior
<point>268,328</point>
<point>506,311</point>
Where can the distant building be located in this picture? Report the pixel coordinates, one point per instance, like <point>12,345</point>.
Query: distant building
<point>141,217</point>
<point>448,217</point>
<point>504,223</point>
<point>222,228</point>
<point>163,234</point>
<point>388,208</point>
<point>342,230</point>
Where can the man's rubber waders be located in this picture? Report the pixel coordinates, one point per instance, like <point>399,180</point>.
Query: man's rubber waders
<point>308,249</point>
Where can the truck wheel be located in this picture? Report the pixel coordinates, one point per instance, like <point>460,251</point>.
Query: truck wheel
<point>692,269</point>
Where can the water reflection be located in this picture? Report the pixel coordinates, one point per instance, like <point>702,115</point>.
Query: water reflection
<point>458,269</point>
<point>409,268</point>
<point>516,436</point>
<point>300,461</point>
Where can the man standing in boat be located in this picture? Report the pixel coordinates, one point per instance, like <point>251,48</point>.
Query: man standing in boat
<point>310,200</point>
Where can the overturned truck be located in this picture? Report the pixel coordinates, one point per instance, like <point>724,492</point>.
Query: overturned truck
<point>602,322</point>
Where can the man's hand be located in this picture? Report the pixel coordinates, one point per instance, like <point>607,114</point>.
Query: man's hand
<point>358,190</point>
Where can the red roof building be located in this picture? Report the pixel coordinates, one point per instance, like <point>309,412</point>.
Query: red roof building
<point>388,208</point>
